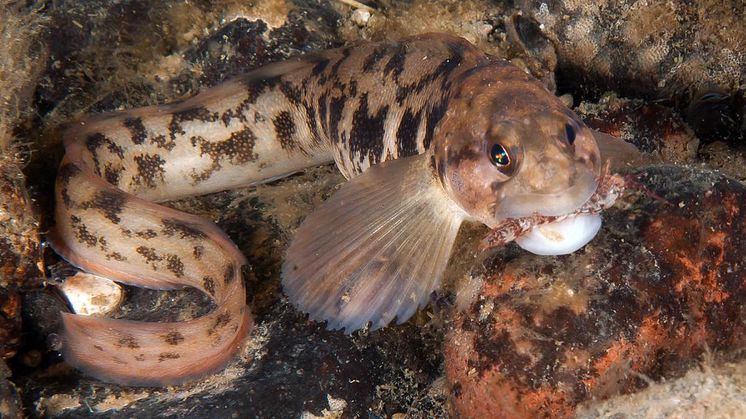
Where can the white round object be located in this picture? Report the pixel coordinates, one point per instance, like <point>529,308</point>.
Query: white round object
<point>561,237</point>
<point>361,17</point>
<point>90,294</point>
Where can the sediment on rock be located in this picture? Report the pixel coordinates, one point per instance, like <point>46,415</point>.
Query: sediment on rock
<point>661,285</point>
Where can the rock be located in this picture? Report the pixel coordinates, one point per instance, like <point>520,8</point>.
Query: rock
<point>679,51</point>
<point>20,244</point>
<point>10,403</point>
<point>21,262</point>
<point>10,323</point>
<point>361,17</point>
<point>711,390</point>
<point>652,128</point>
<point>720,156</point>
<point>664,282</point>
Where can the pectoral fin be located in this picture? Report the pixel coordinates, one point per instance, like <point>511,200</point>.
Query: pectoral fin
<point>376,249</point>
<point>619,152</point>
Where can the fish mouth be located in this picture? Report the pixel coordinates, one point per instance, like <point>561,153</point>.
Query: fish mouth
<point>609,187</point>
<point>556,204</point>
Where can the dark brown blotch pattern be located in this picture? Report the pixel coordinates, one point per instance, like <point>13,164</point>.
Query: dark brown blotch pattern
<point>395,66</point>
<point>94,142</point>
<point>336,109</point>
<point>313,125</point>
<point>229,275</point>
<point>198,252</point>
<point>182,229</point>
<point>150,171</point>
<point>117,360</point>
<point>291,92</point>
<point>175,265</point>
<point>109,202</point>
<point>442,72</point>
<point>367,133</point>
<point>220,321</point>
<point>64,175</point>
<point>198,113</point>
<point>376,56</point>
<point>82,235</point>
<point>128,341</point>
<point>238,149</point>
<point>165,356</point>
<point>406,133</point>
<point>112,174</point>
<point>285,129</point>
<point>137,130</point>
<point>173,338</point>
<point>209,285</point>
<point>116,256</point>
<point>146,234</point>
<point>149,254</point>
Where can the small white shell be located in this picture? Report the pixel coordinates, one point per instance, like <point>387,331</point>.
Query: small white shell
<point>92,295</point>
<point>361,17</point>
<point>561,237</point>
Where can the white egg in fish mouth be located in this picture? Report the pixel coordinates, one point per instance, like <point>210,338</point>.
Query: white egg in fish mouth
<point>561,237</point>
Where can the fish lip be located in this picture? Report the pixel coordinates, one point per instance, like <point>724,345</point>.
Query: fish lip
<point>556,204</point>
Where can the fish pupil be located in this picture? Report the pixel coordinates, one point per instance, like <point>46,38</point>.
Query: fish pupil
<point>499,155</point>
<point>570,132</point>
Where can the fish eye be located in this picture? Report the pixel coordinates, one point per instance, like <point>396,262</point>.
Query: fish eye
<point>570,133</point>
<point>500,157</point>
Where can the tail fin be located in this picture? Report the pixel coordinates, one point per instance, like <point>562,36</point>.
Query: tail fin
<point>112,233</point>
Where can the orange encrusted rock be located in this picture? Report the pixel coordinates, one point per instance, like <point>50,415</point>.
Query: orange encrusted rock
<point>663,282</point>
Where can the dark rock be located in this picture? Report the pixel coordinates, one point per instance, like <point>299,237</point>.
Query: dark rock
<point>20,245</point>
<point>664,282</point>
<point>297,367</point>
<point>715,115</point>
<point>675,51</point>
<point>10,403</point>
<point>242,45</point>
<point>10,323</point>
<point>651,127</point>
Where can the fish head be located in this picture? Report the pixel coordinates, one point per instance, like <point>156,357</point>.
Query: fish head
<point>508,148</point>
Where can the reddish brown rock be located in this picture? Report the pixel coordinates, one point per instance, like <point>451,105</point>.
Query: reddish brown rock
<point>653,128</point>
<point>10,323</point>
<point>661,284</point>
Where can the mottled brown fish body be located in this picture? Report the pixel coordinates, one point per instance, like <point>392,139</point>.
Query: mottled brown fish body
<point>357,106</point>
<point>423,114</point>
<point>491,144</point>
<point>383,101</point>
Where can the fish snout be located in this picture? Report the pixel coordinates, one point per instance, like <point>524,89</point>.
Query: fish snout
<point>548,172</point>
<point>547,194</point>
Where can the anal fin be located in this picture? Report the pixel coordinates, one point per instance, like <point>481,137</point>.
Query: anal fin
<point>376,249</point>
